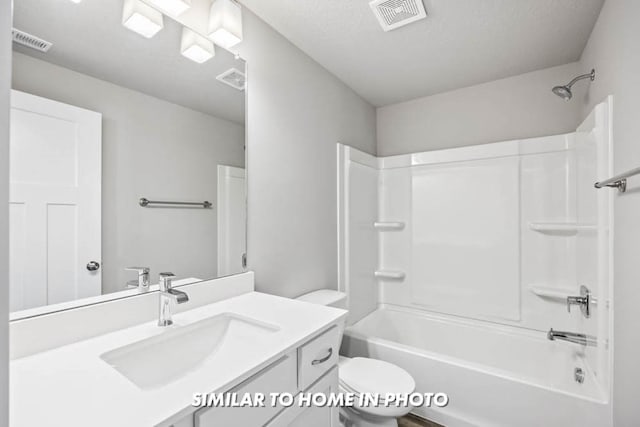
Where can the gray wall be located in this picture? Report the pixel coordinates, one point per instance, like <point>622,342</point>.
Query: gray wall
<point>5,85</point>
<point>511,108</point>
<point>297,112</point>
<point>150,148</point>
<point>613,51</point>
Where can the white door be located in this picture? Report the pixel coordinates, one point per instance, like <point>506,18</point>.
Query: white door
<point>55,202</point>
<point>232,217</point>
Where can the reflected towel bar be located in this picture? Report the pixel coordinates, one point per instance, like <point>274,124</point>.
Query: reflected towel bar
<point>389,275</point>
<point>146,203</point>
<point>619,181</point>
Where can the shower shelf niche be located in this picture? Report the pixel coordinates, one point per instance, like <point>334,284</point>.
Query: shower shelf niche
<point>388,226</point>
<point>566,228</point>
<point>549,292</point>
<point>390,275</point>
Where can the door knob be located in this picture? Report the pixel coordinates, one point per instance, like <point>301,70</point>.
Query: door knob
<point>93,266</point>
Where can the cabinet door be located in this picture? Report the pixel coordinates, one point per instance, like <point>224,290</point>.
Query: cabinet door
<point>325,416</point>
<point>277,378</point>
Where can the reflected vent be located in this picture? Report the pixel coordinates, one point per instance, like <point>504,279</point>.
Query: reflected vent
<point>394,14</point>
<point>234,78</point>
<point>28,40</point>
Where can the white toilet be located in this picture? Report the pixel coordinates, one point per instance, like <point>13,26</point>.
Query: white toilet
<point>363,375</point>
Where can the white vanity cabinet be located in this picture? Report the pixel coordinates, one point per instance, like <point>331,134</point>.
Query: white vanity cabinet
<point>313,416</point>
<point>311,368</point>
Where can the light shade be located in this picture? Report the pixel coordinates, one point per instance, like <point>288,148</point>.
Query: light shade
<point>141,18</point>
<point>172,7</point>
<point>195,47</point>
<point>225,23</point>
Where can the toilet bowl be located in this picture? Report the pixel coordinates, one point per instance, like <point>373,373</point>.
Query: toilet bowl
<point>361,375</point>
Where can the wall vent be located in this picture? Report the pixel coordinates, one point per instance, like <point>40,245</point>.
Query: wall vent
<point>394,14</point>
<point>234,78</point>
<point>29,40</point>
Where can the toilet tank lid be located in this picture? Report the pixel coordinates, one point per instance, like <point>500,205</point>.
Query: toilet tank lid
<point>323,297</point>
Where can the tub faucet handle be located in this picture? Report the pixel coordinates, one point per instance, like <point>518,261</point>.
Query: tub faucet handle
<point>584,301</point>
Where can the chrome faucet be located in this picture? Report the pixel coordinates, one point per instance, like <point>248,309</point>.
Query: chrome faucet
<point>572,337</point>
<point>167,294</point>
<point>142,283</point>
<point>584,301</point>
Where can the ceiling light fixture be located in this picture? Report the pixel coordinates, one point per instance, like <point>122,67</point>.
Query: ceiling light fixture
<point>141,18</point>
<point>173,8</point>
<point>225,23</point>
<point>195,47</point>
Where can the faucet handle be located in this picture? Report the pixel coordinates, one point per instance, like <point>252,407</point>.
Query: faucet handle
<point>165,281</point>
<point>584,301</point>
<point>140,270</point>
<point>143,278</point>
<point>571,301</point>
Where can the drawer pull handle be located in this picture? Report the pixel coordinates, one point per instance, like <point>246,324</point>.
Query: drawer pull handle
<point>324,359</point>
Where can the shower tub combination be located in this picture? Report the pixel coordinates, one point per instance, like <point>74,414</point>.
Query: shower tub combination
<point>492,375</point>
<point>456,264</point>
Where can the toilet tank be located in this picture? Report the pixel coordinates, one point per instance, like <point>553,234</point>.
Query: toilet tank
<point>330,298</point>
<point>327,297</point>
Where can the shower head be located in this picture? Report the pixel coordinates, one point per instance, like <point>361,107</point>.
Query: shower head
<point>565,93</point>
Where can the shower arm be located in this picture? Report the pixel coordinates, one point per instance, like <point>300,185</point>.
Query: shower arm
<point>591,75</point>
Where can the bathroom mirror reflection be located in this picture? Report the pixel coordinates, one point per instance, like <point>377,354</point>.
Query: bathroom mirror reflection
<point>104,115</point>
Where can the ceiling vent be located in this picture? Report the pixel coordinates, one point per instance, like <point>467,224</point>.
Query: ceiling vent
<point>234,78</point>
<point>394,14</point>
<point>28,40</point>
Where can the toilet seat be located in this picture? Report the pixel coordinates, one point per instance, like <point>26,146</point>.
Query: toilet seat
<point>364,375</point>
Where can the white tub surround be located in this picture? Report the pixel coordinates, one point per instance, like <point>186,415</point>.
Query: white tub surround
<point>480,248</point>
<point>74,386</point>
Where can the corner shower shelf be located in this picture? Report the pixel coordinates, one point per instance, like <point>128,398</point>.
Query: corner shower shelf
<point>552,293</point>
<point>388,226</point>
<point>389,275</point>
<point>567,228</point>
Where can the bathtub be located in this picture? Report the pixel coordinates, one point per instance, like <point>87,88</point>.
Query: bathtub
<point>494,375</point>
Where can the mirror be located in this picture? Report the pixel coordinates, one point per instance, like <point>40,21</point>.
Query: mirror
<point>111,134</point>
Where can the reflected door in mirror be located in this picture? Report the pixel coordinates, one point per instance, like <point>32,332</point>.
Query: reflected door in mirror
<point>231,220</point>
<point>55,242</point>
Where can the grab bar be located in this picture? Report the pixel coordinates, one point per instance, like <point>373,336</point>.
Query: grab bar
<point>146,203</point>
<point>572,337</point>
<point>618,181</point>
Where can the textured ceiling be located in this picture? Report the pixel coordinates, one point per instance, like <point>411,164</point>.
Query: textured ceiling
<point>89,38</point>
<point>461,43</point>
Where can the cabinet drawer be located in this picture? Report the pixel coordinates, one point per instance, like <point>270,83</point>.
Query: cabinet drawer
<point>279,377</point>
<point>317,356</point>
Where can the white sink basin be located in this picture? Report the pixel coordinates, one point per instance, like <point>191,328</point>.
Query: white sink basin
<point>161,359</point>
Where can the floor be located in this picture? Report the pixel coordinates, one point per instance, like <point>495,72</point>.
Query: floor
<point>413,421</point>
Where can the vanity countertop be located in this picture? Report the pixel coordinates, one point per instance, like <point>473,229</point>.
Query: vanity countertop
<point>73,386</point>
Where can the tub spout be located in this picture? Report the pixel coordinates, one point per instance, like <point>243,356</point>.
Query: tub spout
<point>573,337</point>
